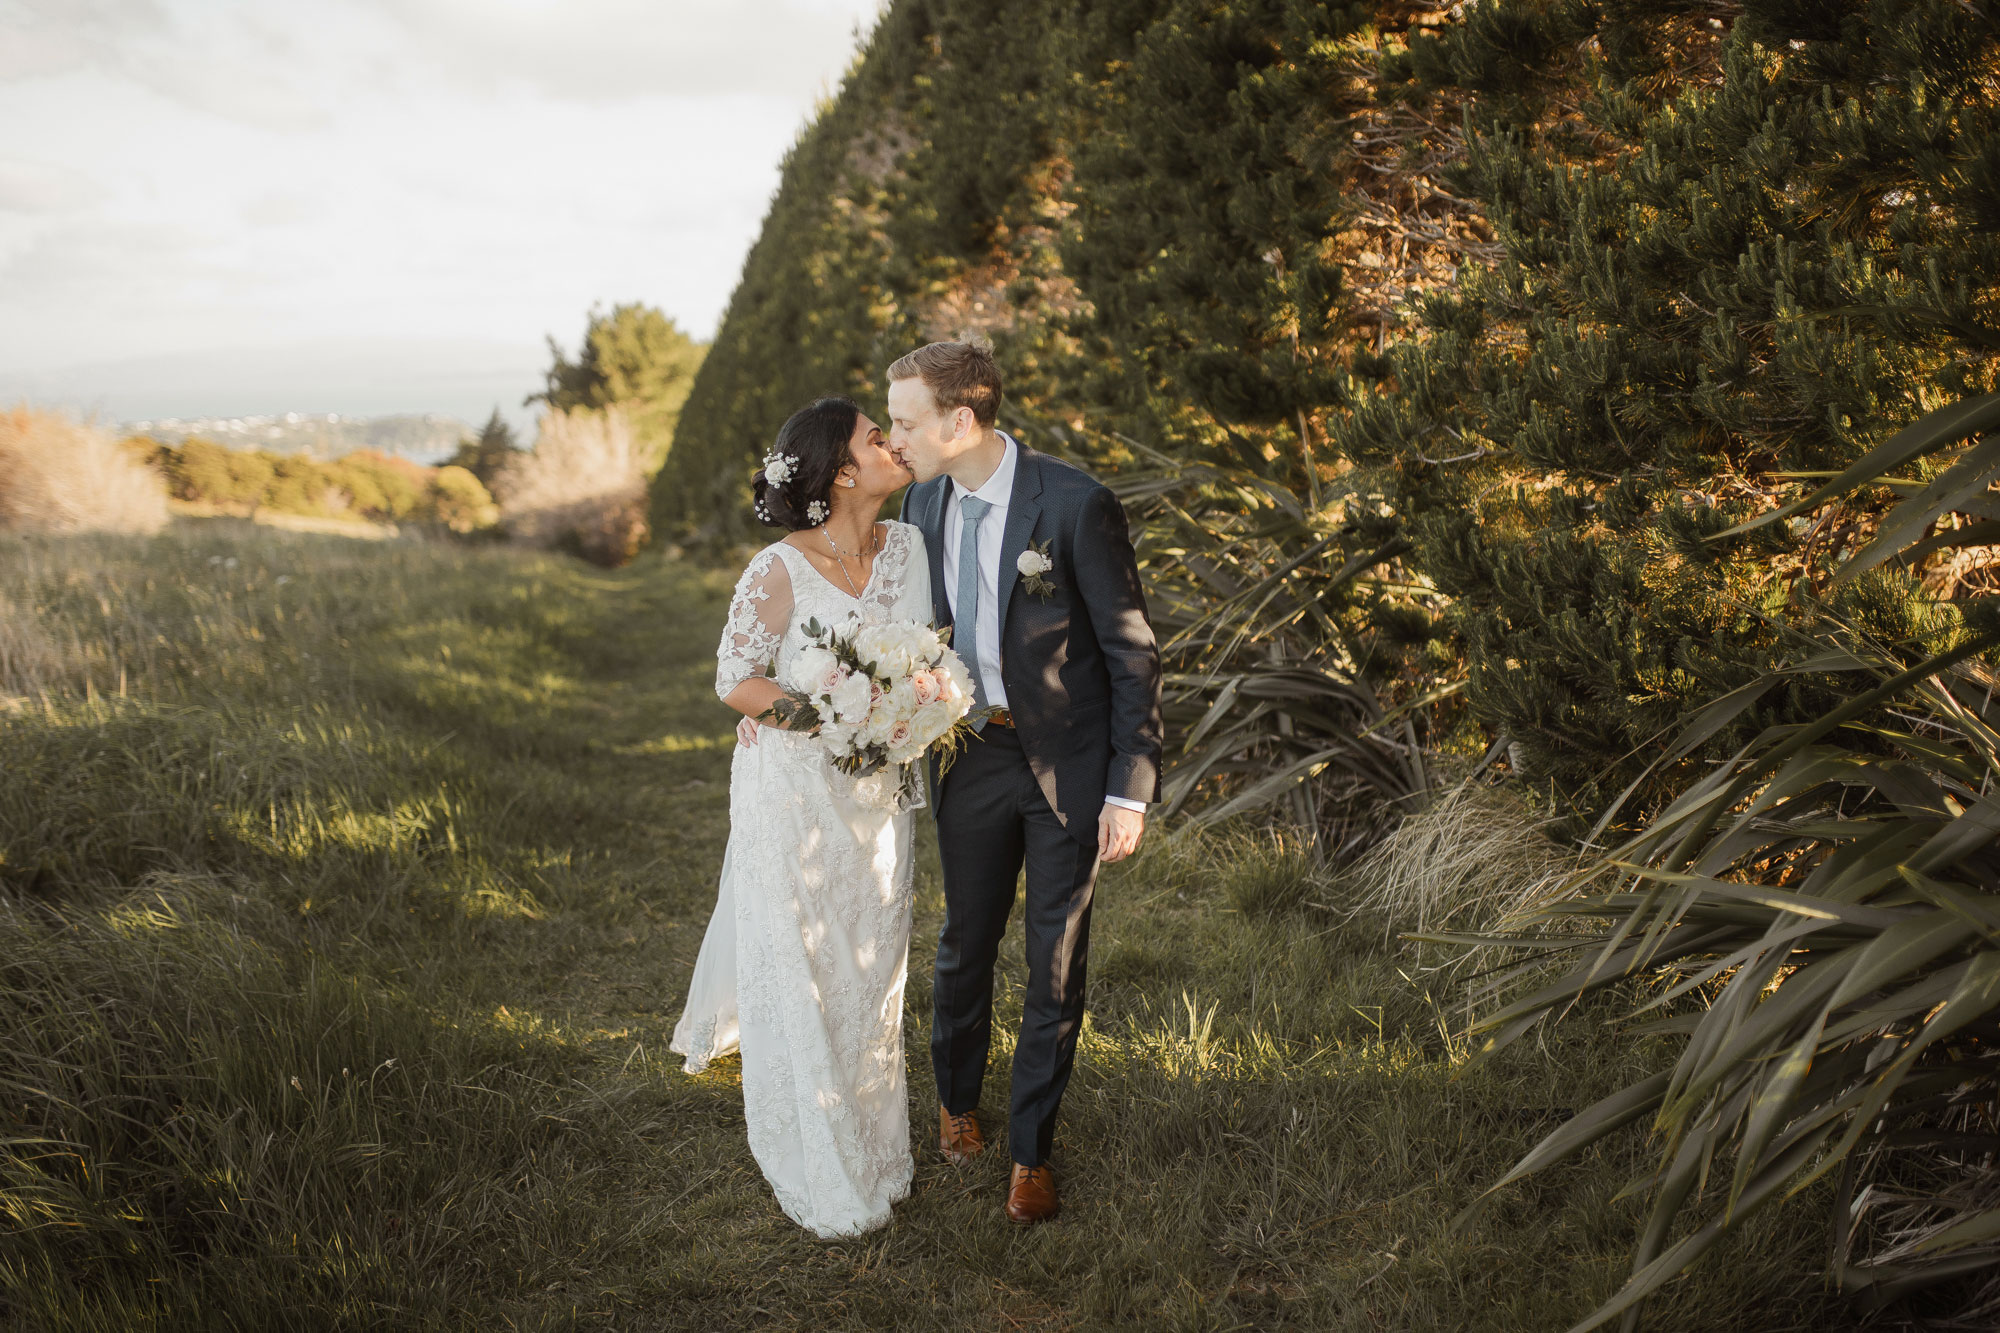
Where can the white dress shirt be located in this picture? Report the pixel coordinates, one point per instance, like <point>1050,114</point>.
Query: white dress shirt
<point>997,492</point>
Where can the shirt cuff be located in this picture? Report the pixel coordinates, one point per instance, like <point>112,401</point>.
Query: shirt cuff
<point>1124,804</point>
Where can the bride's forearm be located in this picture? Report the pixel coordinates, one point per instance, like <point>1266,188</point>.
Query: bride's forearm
<point>753,696</point>
<point>763,700</point>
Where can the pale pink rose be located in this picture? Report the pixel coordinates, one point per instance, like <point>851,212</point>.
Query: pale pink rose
<point>832,680</point>
<point>899,734</point>
<point>927,687</point>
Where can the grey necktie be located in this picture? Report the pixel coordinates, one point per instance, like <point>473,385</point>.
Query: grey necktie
<point>965,614</point>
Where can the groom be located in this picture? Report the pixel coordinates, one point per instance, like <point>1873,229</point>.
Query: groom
<point>1031,565</point>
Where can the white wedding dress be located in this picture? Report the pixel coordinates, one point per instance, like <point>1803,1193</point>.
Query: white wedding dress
<point>803,963</point>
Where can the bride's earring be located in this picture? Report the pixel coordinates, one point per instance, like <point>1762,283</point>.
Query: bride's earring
<point>847,481</point>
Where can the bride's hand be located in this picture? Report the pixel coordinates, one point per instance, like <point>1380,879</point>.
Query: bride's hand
<point>746,731</point>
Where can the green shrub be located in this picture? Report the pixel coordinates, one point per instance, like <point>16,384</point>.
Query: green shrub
<point>1830,894</point>
<point>459,502</point>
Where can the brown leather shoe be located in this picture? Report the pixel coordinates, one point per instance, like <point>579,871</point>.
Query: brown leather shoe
<point>959,1138</point>
<point>1031,1195</point>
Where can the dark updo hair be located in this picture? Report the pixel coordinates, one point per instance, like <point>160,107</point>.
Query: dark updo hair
<point>815,439</point>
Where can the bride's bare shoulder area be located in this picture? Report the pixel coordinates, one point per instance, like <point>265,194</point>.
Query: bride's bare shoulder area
<point>764,560</point>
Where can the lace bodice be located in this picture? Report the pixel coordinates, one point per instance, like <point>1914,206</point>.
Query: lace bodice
<point>780,592</point>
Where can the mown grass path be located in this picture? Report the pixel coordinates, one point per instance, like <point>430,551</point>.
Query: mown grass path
<point>391,868</point>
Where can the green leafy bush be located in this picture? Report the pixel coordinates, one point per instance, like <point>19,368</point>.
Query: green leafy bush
<point>363,485</point>
<point>1831,894</point>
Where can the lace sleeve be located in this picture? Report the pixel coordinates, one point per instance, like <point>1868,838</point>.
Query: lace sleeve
<point>917,574</point>
<point>758,616</point>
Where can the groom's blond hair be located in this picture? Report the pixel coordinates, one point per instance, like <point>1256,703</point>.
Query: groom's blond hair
<point>957,374</point>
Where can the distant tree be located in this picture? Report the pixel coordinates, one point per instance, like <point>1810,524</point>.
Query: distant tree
<point>635,359</point>
<point>155,454</point>
<point>485,455</point>
<point>581,490</point>
<point>460,502</point>
<point>301,485</point>
<point>380,486</point>
<point>209,473</point>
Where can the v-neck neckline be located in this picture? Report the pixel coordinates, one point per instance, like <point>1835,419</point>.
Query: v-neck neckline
<point>874,570</point>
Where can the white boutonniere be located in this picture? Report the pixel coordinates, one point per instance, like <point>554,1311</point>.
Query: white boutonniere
<point>1034,564</point>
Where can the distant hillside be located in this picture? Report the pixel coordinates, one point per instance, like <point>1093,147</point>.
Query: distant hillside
<point>352,376</point>
<point>426,438</point>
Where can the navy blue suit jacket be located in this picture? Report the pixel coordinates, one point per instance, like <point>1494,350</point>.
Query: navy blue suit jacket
<point>1080,664</point>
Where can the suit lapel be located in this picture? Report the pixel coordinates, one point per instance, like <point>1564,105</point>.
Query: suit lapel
<point>1023,508</point>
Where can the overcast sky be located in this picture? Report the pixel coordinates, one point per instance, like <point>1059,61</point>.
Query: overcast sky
<point>202,199</point>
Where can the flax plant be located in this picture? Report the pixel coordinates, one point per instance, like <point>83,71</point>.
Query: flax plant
<point>1816,923</point>
<point>1282,697</point>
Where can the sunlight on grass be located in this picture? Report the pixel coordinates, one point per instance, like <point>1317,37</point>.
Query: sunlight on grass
<point>343,947</point>
<point>473,681</point>
<point>677,743</point>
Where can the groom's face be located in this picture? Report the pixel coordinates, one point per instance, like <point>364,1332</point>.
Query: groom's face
<point>926,439</point>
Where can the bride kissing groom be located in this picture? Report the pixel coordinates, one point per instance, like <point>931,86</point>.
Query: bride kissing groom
<point>1027,561</point>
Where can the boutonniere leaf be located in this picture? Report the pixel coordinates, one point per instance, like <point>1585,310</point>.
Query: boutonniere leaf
<point>1034,565</point>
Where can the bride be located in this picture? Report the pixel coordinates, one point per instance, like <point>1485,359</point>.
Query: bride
<point>802,966</point>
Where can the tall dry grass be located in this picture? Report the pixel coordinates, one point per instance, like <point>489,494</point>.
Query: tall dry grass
<point>582,489</point>
<point>1478,856</point>
<point>32,660</point>
<point>60,475</point>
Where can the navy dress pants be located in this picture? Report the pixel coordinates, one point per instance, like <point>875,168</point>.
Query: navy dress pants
<point>992,821</point>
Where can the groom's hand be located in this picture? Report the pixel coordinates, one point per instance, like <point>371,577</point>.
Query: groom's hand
<point>1118,832</point>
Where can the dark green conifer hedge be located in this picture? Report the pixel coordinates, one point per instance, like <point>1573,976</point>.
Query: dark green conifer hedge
<point>1519,303</point>
<point>1737,249</point>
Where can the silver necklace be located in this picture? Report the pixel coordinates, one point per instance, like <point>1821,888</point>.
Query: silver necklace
<point>841,557</point>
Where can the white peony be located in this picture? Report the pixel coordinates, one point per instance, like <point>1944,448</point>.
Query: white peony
<point>931,723</point>
<point>960,679</point>
<point>896,649</point>
<point>876,730</point>
<point>811,670</point>
<point>901,700</point>
<point>852,697</point>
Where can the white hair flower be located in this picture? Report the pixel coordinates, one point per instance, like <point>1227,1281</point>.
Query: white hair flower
<point>778,468</point>
<point>816,511</point>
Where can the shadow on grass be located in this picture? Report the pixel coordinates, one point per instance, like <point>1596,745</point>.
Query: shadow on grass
<point>339,955</point>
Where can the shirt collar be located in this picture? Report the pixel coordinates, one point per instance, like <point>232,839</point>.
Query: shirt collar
<point>999,487</point>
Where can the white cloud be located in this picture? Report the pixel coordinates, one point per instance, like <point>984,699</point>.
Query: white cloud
<point>44,187</point>
<point>219,173</point>
<point>616,49</point>
<point>40,38</point>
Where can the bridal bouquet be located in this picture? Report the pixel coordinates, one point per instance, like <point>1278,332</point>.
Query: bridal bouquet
<point>881,696</point>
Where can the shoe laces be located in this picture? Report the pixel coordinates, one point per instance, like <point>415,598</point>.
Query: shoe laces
<point>961,1121</point>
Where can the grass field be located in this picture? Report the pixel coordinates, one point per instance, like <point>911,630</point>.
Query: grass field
<point>348,893</point>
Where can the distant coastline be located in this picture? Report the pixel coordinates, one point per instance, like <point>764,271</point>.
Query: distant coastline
<point>422,437</point>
